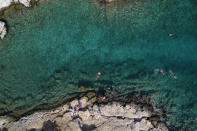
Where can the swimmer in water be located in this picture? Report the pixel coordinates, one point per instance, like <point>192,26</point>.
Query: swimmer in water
<point>172,74</point>
<point>170,34</point>
<point>160,71</point>
<point>98,75</point>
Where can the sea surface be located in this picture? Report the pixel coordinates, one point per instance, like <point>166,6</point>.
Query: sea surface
<point>59,45</point>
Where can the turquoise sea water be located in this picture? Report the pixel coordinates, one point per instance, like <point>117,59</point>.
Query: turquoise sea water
<point>52,47</point>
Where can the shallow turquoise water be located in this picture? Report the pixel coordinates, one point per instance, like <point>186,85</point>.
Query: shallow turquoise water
<point>53,46</point>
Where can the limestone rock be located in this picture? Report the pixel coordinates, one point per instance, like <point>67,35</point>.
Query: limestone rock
<point>116,125</point>
<point>26,3</point>
<point>7,3</point>
<point>72,126</point>
<point>3,30</point>
<point>84,115</point>
<point>112,116</point>
<point>73,103</point>
<point>96,112</point>
<point>35,120</point>
<point>60,109</point>
<point>84,101</point>
<point>3,122</point>
<point>112,110</point>
<point>143,125</point>
<point>129,111</point>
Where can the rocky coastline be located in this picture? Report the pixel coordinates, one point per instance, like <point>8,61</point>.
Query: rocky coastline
<point>93,113</point>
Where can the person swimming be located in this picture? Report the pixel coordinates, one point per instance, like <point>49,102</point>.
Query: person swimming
<point>161,71</point>
<point>172,74</point>
<point>170,34</point>
<point>98,75</point>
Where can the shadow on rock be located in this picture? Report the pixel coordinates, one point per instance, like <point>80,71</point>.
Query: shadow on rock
<point>88,127</point>
<point>47,126</point>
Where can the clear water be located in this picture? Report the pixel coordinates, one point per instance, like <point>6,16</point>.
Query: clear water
<point>53,46</point>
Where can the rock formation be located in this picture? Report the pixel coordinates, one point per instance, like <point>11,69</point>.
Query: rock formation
<point>7,3</point>
<point>84,114</point>
<point>3,30</point>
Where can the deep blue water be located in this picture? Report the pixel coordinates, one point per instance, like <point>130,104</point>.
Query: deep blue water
<point>126,41</point>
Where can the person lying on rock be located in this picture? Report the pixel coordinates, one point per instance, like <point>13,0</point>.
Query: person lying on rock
<point>79,105</point>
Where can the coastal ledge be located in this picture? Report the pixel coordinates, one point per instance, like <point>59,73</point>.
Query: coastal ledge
<point>98,113</point>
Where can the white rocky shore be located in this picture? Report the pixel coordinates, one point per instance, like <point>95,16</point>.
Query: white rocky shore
<point>5,4</point>
<point>3,30</point>
<point>89,116</point>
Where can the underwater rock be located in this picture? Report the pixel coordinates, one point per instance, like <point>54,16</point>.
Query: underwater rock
<point>5,4</point>
<point>3,30</point>
<point>107,1</point>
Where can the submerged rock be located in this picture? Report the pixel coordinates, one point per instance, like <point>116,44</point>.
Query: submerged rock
<point>108,1</point>
<point>3,30</point>
<point>5,4</point>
